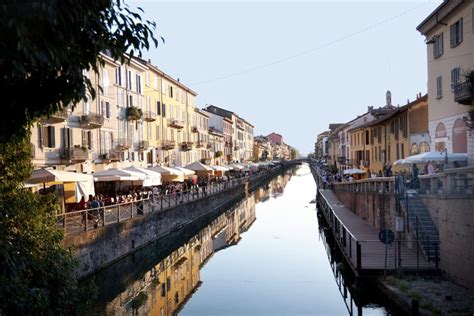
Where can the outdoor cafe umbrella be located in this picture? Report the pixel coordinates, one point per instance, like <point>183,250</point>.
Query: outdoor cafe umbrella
<point>152,177</point>
<point>169,174</point>
<point>432,156</point>
<point>354,171</point>
<point>84,185</point>
<point>115,174</point>
<point>199,167</point>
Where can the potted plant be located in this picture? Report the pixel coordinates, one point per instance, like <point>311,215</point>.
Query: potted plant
<point>134,113</point>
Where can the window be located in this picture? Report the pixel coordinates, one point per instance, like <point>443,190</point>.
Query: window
<point>456,33</point>
<point>129,80</point>
<point>138,83</point>
<point>118,76</point>
<point>171,91</point>
<point>155,82</point>
<point>397,152</point>
<point>87,139</point>
<point>455,77</point>
<point>438,48</point>
<point>130,100</point>
<point>163,110</point>
<point>158,108</point>
<point>105,81</point>
<point>46,136</point>
<point>439,87</point>
<point>414,149</point>
<point>402,150</point>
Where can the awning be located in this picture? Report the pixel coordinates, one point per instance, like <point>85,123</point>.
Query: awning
<point>186,171</point>
<point>166,171</point>
<point>220,168</point>
<point>115,174</point>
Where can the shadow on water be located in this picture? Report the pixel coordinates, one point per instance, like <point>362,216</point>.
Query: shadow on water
<point>356,297</point>
<point>160,278</point>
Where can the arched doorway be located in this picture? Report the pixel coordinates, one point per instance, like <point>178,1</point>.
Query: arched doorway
<point>424,147</point>
<point>440,137</point>
<point>459,136</point>
<point>414,149</point>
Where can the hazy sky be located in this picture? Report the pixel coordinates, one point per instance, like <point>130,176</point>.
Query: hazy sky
<point>293,67</point>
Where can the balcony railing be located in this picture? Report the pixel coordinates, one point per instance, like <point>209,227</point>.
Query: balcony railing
<point>186,146</point>
<point>199,144</point>
<point>111,155</point>
<point>240,126</point>
<point>194,129</point>
<point>75,154</point>
<point>57,117</point>
<point>123,143</point>
<point>143,145</point>
<point>149,116</point>
<point>168,144</point>
<point>176,123</point>
<point>464,93</point>
<point>91,120</point>
<point>209,146</point>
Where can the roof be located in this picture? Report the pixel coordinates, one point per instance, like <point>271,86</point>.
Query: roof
<point>391,114</point>
<point>435,18</point>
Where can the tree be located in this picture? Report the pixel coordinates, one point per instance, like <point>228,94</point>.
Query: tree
<point>46,46</point>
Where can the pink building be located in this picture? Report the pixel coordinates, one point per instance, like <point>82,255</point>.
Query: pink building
<point>276,138</point>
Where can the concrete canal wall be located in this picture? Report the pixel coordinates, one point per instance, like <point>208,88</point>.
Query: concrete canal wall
<point>96,249</point>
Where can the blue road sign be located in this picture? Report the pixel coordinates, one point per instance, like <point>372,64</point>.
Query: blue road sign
<point>386,236</point>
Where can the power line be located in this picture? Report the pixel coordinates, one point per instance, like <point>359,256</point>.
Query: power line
<point>309,51</point>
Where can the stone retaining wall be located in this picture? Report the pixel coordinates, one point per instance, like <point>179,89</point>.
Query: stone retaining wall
<point>103,246</point>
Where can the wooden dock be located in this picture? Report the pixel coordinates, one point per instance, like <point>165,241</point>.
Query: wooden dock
<point>359,242</point>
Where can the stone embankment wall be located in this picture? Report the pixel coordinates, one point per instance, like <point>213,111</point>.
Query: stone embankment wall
<point>454,217</point>
<point>101,247</point>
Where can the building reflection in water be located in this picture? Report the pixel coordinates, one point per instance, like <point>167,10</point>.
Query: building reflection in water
<point>170,283</point>
<point>355,299</point>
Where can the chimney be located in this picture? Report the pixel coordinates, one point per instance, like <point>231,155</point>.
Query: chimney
<point>177,79</point>
<point>149,60</point>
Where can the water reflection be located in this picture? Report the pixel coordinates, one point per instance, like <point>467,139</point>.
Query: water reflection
<point>161,278</point>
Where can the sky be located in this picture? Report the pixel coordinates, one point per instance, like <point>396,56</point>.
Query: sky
<point>293,67</point>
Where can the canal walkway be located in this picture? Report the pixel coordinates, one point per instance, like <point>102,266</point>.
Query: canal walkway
<point>360,243</point>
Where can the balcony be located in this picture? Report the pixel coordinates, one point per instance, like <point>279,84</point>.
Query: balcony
<point>91,120</point>
<point>186,146</point>
<point>236,147</point>
<point>464,93</point>
<point>199,144</point>
<point>176,124</point>
<point>75,154</point>
<point>168,144</point>
<point>57,117</point>
<point>240,126</point>
<point>123,143</point>
<point>133,113</point>
<point>143,145</point>
<point>341,160</point>
<point>110,156</point>
<point>149,116</point>
<point>194,129</point>
<point>209,146</point>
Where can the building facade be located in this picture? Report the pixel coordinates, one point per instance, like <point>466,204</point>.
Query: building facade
<point>450,46</point>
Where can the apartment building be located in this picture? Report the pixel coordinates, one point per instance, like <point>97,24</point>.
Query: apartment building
<point>262,149</point>
<point>201,136</point>
<point>217,145</point>
<point>83,137</point>
<point>222,125</point>
<point>449,36</point>
<point>242,145</point>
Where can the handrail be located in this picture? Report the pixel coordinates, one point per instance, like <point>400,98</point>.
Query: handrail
<point>151,204</point>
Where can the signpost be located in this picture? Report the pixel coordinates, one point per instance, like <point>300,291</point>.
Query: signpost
<point>386,236</point>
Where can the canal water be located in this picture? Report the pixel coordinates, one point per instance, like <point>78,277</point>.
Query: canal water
<point>267,255</point>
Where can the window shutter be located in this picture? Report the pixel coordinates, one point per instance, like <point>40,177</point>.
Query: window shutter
<point>84,138</point>
<point>89,139</point>
<point>460,36</point>
<point>107,109</point>
<point>40,136</point>
<point>451,35</point>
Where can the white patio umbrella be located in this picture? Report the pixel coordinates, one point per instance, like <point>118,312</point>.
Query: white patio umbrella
<point>84,183</point>
<point>186,171</point>
<point>115,174</point>
<point>220,168</point>
<point>434,156</point>
<point>166,171</point>
<point>245,167</point>
<point>198,166</point>
<point>236,167</point>
<point>152,177</point>
<point>354,171</point>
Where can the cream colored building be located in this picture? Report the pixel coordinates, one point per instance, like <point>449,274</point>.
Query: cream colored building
<point>201,136</point>
<point>450,47</point>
